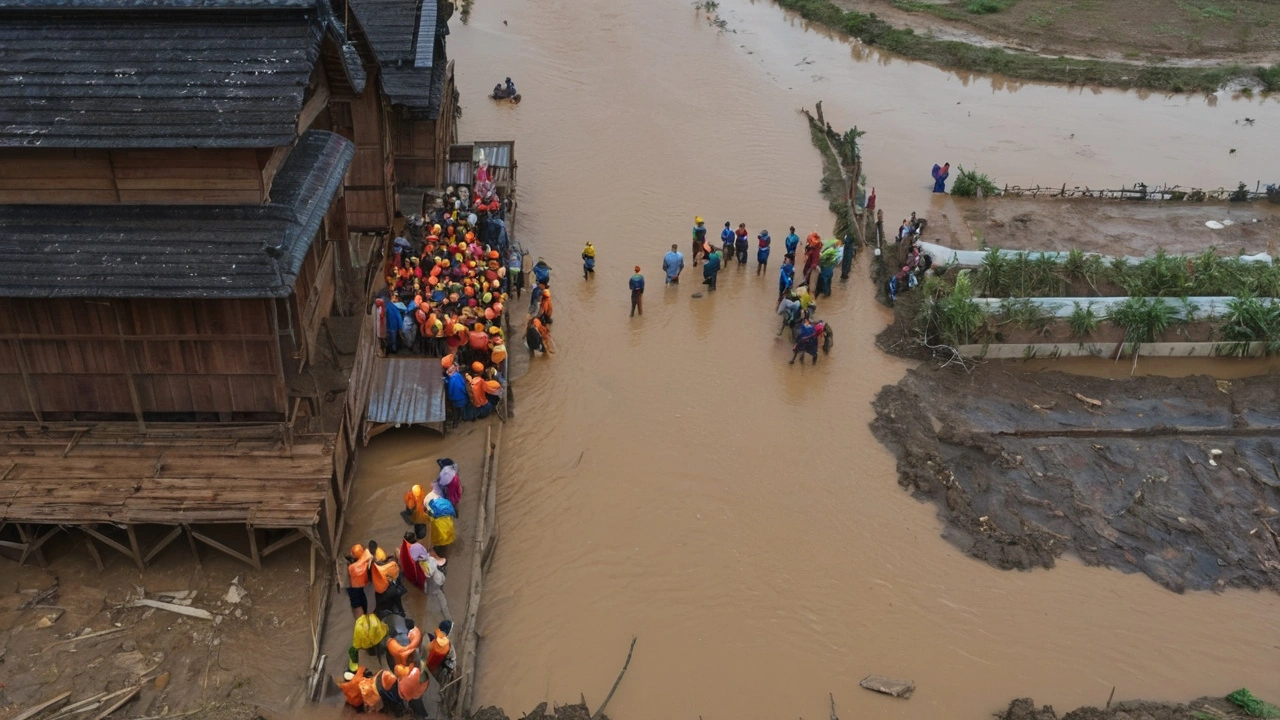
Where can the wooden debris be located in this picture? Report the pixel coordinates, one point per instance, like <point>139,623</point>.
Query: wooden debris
<point>90,636</point>
<point>47,594</point>
<point>55,701</point>
<point>128,695</point>
<point>179,609</point>
<point>1088,400</point>
<point>889,686</point>
<point>600,710</point>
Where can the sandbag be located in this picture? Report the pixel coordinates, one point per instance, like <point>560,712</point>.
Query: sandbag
<point>442,532</point>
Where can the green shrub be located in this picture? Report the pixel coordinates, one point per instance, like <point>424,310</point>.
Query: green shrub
<point>1027,313</point>
<point>1144,319</point>
<point>1083,321</point>
<point>987,7</point>
<point>969,182</point>
<point>953,318</point>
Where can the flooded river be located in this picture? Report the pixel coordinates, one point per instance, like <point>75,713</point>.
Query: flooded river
<point>671,477</point>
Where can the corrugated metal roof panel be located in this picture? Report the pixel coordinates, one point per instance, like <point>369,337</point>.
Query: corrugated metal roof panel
<point>406,391</point>
<point>497,153</point>
<point>424,54</point>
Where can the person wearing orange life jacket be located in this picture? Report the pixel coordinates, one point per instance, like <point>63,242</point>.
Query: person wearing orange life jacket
<point>411,687</point>
<point>359,689</point>
<point>359,563</point>
<point>403,650</point>
<point>387,588</point>
<point>415,510</point>
<point>438,651</point>
<point>385,682</point>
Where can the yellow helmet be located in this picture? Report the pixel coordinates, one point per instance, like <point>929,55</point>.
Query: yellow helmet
<point>697,219</point>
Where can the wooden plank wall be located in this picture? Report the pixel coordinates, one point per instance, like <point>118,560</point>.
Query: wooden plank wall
<point>105,177</point>
<point>421,146</point>
<point>370,183</point>
<point>208,357</point>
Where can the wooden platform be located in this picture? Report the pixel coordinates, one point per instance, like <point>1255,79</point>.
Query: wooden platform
<point>106,478</point>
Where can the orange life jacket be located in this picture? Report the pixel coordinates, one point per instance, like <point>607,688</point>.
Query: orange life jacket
<point>359,570</point>
<point>413,684</point>
<point>478,398</point>
<point>479,340</point>
<point>403,654</point>
<point>438,650</point>
<point>351,689</point>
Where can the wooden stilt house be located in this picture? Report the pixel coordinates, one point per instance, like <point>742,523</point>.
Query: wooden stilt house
<point>416,76</point>
<point>179,183</point>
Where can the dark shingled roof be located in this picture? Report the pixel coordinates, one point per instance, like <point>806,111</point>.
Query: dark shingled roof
<point>404,35</point>
<point>176,251</point>
<point>184,77</point>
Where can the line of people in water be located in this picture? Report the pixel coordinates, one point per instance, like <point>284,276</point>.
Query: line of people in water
<point>385,634</point>
<point>910,260</point>
<point>796,303</point>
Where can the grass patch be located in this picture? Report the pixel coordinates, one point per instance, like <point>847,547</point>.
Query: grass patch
<point>1207,10</point>
<point>1022,65</point>
<point>988,7</point>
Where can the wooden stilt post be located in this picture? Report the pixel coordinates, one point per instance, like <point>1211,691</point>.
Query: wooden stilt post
<point>253,548</point>
<point>93,553</point>
<point>133,543</point>
<point>191,542</point>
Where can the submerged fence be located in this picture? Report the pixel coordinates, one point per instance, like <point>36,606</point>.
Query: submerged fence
<point>1142,191</point>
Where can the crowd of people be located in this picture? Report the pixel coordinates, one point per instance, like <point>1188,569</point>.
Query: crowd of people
<point>796,302</point>
<point>447,287</point>
<point>909,257</point>
<point>386,634</point>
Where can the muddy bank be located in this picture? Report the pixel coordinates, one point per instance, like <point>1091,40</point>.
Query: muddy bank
<point>1199,709</point>
<point>1115,227</point>
<point>559,712</point>
<point>1172,477</point>
<point>1122,30</point>
<point>71,628</point>
<point>964,55</point>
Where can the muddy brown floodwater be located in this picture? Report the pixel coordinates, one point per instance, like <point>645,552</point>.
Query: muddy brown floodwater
<point>671,477</point>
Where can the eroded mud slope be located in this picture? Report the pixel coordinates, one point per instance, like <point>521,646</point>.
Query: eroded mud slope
<point>1025,467</point>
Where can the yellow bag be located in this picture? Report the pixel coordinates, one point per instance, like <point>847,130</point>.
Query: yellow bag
<point>442,532</point>
<point>368,632</point>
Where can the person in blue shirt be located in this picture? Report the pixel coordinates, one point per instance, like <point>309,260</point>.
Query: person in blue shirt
<point>762,253</point>
<point>710,269</point>
<point>673,265</point>
<point>637,292</point>
<point>806,342</point>
<point>787,277</point>
<point>395,318</point>
<point>456,391</point>
<point>726,240</point>
<point>542,272</point>
<point>792,241</point>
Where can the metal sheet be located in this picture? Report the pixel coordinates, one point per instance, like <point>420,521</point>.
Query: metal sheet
<point>497,153</point>
<point>407,391</point>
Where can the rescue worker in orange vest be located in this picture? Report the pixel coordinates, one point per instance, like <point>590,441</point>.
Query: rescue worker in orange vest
<point>404,650</point>
<point>438,650</point>
<point>413,684</point>
<point>359,689</point>
<point>385,683</point>
<point>387,588</point>
<point>358,565</point>
<point>415,512</point>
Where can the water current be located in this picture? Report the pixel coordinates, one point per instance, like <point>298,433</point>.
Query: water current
<point>672,477</point>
